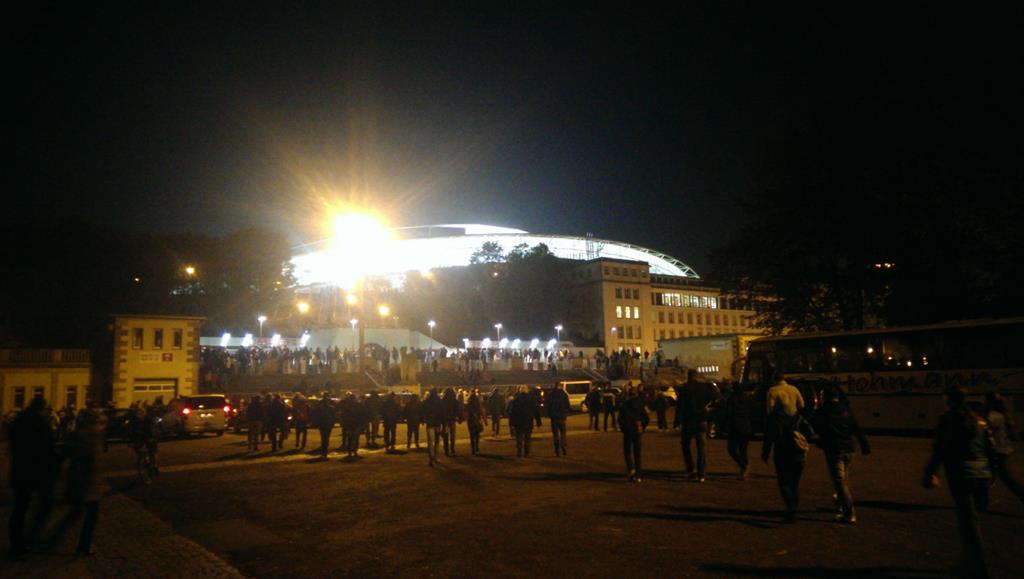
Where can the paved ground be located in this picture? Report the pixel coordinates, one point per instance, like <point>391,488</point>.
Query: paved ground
<point>217,509</point>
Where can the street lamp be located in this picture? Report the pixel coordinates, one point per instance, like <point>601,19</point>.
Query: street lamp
<point>261,318</point>
<point>498,327</point>
<point>303,307</point>
<point>354,321</point>
<point>190,271</point>
<point>431,325</point>
<point>383,310</point>
<point>558,329</point>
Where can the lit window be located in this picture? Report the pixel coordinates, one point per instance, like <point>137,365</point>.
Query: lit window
<point>713,302</point>
<point>618,312</point>
<point>636,313</point>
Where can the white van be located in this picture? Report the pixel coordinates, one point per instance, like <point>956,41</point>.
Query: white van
<point>577,391</point>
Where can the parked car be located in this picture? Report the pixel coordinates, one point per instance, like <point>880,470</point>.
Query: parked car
<point>196,415</point>
<point>117,424</point>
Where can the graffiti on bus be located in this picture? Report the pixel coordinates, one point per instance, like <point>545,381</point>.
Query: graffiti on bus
<point>919,382</point>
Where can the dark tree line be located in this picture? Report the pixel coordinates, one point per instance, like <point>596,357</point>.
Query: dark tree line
<point>63,280</point>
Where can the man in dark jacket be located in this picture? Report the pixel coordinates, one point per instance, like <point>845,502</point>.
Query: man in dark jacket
<point>434,418</point>
<point>558,411</point>
<point>738,412</point>
<point>413,412</point>
<point>371,406</point>
<point>33,470</point>
<point>698,396</point>
<point>610,405</point>
<point>633,420</point>
<point>522,413</point>
<point>452,415</point>
<point>277,422</point>
<point>837,429</point>
<point>322,416</point>
<point>593,404</point>
<point>255,414</point>
<point>389,414</point>
<point>353,422</point>
<point>661,409</point>
<point>496,407</point>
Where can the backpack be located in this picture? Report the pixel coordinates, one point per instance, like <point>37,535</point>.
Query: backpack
<point>793,440</point>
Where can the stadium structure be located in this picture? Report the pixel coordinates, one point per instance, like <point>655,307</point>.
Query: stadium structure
<point>427,247</point>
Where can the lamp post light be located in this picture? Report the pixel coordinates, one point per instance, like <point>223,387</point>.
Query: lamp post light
<point>498,327</point>
<point>354,321</point>
<point>431,325</point>
<point>190,270</point>
<point>261,318</point>
<point>558,329</point>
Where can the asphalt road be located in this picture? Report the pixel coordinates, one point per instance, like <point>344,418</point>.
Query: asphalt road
<point>287,514</point>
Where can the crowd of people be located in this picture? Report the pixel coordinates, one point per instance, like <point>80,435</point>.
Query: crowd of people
<point>972,445</point>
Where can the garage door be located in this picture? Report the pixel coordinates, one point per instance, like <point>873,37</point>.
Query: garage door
<point>152,391</point>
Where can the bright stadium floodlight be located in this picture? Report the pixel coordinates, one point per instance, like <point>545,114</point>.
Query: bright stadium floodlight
<point>247,340</point>
<point>486,343</point>
<point>224,339</point>
<point>360,247</point>
<point>303,307</point>
<point>534,343</point>
<point>261,319</point>
<point>303,339</point>
<point>503,343</point>
<point>558,329</point>
<point>351,299</point>
<point>515,344</point>
<point>275,340</point>
<point>551,344</point>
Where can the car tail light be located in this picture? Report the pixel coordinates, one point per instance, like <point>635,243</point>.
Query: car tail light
<point>227,409</point>
<point>186,411</point>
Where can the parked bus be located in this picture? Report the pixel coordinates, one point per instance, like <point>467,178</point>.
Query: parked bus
<point>895,377</point>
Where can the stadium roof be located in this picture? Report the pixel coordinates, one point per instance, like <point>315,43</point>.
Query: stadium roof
<point>427,247</point>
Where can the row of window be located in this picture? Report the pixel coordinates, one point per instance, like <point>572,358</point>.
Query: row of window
<point>21,396</point>
<point>683,300</point>
<point>627,312</point>
<point>627,332</point>
<point>718,319</point>
<point>157,343</point>
<point>627,293</point>
<point>671,334</point>
<point>626,271</point>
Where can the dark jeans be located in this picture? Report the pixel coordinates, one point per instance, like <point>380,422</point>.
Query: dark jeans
<point>595,421</point>
<point>350,440</point>
<point>523,438</point>
<point>970,494</point>
<point>372,430</point>
<point>91,510</point>
<point>255,430</point>
<point>738,449</point>
<point>839,471</point>
<point>325,440</point>
<point>412,430</point>
<point>275,432</point>
<point>1000,471</point>
<point>474,438</point>
<point>449,438</point>
<point>699,433</point>
<point>434,436</point>
<point>632,450</point>
<point>788,472</point>
<point>662,420</point>
<point>558,435</point>
<point>390,430</point>
<point>22,501</point>
<point>615,424</point>
<point>301,431</point>
<point>495,424</point>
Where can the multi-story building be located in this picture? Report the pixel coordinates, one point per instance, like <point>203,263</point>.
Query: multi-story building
<point>621,304</point>
<point>62,377</point>
<point>149,358</point>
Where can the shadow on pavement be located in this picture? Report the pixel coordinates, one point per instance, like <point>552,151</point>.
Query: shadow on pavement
<point>812,571</point>
<point>901,507</point>
<point>682,516</point>
<point>611,477</point>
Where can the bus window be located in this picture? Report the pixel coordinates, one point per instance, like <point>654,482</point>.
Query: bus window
<point>848,353</point>
<point>977,348</point>
<point>805,356</point>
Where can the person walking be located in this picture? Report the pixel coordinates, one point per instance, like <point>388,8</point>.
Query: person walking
<point>661,410</point>
<point>476,419</point>
<point>323,418</point>
<point>300,417</point>
<point>389,414</point>
<point>837,429</point>
<point>594,404</point>
<point>558,408</point>
<point>372,409</point>
<point>738,412</point>
<point>1001,426</point>
<point>633,421</point>
<point>255,414</point>
<point>352,424</point>
<point>413,412</point>
<point>496,407</point>
<point>786,441</point>
<point>962,447</point>
<point>84,483</point>
<point>522,414</point>
<point>434,418</point>
<point>609,405</point>
<point>33,470</point>
<point>784,395</point>
<point>698,396</point>
<point>276,421</point>
<point>450,407</point>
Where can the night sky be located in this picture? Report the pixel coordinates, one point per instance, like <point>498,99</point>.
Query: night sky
<point>646,126</point>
